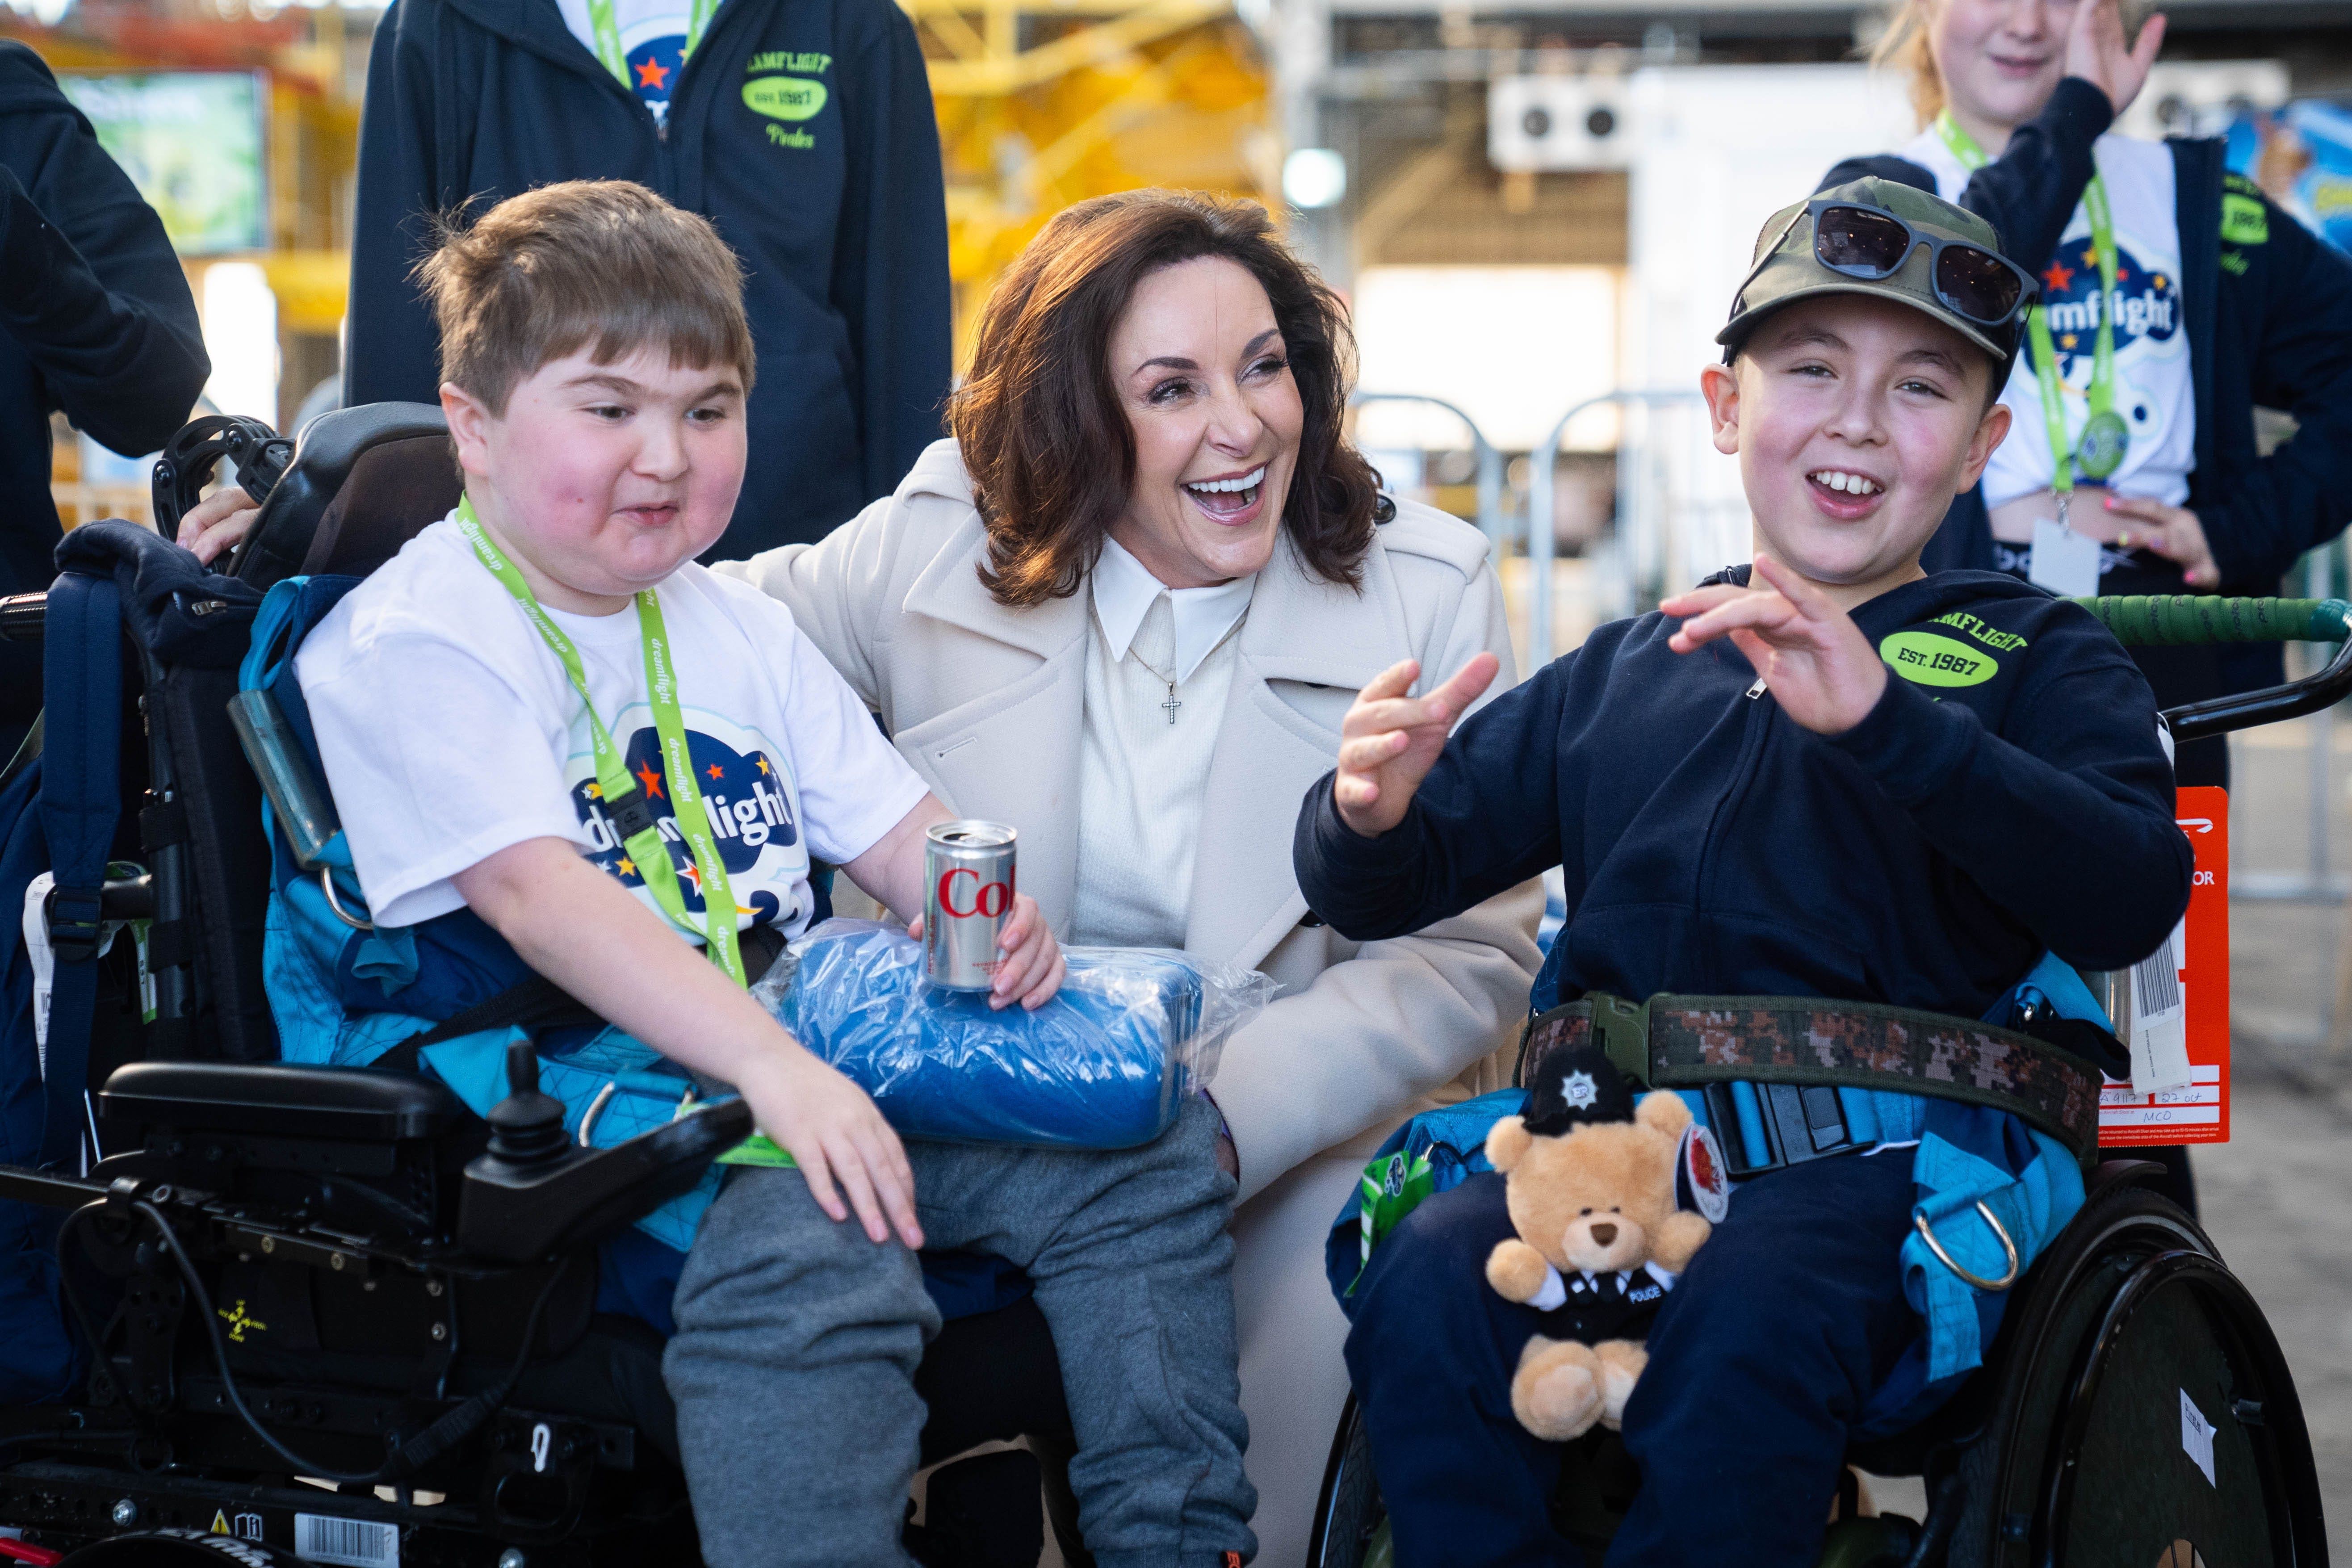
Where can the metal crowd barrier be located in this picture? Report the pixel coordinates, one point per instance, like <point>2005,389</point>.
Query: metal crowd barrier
<point>1492,520</point>
<point>1541,505</point>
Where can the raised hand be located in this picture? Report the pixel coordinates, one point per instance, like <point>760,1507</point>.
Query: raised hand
<point>2096,52</point>
<point>1389,741</point>
<point>1814,660</point>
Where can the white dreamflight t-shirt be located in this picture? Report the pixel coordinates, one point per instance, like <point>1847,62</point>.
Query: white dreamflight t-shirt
<point>449,732</point>
<point>2154,390</point>
<point>653,40</point>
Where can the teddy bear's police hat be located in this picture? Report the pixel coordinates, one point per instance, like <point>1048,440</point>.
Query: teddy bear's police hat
<point>1572,1088</point>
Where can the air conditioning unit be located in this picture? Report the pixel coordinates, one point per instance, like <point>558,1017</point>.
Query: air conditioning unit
<point>1540,123</point>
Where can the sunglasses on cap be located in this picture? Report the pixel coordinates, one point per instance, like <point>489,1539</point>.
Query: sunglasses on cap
<point>1867,242</point>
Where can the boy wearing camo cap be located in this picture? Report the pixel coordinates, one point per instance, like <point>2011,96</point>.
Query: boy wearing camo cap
<point>1829,776</point>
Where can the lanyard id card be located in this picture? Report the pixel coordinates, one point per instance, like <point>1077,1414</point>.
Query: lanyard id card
<point>648,852</point>
<point>2099,451</point>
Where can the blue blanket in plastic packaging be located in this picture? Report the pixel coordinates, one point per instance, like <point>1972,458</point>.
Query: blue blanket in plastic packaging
<point>1106,1064</point>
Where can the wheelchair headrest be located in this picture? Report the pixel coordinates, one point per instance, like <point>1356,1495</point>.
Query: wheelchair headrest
<point>362,483</point>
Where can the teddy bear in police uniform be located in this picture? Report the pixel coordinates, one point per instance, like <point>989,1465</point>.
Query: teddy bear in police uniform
<point>1596,1186</point>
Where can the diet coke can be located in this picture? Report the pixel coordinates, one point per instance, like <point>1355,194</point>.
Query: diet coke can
<point>967,897</point>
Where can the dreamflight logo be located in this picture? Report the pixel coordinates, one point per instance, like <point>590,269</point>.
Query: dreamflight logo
<point>2146,305</point>
<point>745,799</point>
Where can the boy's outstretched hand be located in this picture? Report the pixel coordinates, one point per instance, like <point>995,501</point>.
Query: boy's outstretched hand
<point>1814,660</point>
<point>1389,741</point>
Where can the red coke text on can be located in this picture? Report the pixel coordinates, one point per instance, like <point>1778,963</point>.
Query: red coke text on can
<point>968,888</point>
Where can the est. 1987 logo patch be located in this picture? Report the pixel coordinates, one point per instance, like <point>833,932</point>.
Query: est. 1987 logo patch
<point>1931,658</point>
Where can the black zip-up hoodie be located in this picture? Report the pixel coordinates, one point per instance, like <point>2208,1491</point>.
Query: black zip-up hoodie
<point>840,215</point>
<point>95,319</point>
<point>2268,306</point>
<point>2007,794</point>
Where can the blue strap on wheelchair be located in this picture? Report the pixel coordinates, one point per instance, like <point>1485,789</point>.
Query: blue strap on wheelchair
<point>81,804</point>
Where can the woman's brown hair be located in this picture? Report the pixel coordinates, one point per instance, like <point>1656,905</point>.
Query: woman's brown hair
<point>1049,450</point>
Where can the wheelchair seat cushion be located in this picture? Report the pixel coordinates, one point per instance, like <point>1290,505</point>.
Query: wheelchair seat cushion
<point>283,1100</point>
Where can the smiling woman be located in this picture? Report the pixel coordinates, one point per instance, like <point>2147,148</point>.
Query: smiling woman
<point>1124,610</point>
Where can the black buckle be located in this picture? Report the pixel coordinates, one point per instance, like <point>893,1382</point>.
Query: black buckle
<point>76,918</point>
<point>630,815</point>
<point>1799,1121</point>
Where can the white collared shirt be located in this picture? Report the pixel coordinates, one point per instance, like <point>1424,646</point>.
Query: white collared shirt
<point>1142,778</point>
<point>1124,589</point>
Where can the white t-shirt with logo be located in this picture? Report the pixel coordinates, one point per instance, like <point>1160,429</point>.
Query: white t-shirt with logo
<point>653,40</point>
<point>2154,390</point>
<point>449,732</point>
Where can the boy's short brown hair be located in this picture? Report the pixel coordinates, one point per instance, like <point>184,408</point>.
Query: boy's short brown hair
<point>601,264</point>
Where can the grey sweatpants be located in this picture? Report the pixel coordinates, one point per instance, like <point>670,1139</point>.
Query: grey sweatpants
<point>797,1339</point>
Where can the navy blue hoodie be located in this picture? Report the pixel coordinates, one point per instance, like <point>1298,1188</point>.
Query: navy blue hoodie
<point>840,217</point>
<point>95,319</point>
<point>2010,795</point>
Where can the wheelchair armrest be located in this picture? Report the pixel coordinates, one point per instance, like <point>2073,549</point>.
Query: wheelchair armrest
<point>519,1213</point>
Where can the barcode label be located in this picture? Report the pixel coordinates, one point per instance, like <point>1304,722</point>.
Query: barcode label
<point>2156,982</point>
<point>350,1543</point>
<point>2160,1031</point>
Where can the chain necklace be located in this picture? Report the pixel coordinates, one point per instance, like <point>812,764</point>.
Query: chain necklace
<point>1174,701</point>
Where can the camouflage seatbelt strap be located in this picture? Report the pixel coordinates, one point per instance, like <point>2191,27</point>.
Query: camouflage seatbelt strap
<point>1686,1042</point>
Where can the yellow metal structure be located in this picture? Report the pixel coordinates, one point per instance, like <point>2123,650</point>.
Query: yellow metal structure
<point>1045,102</point>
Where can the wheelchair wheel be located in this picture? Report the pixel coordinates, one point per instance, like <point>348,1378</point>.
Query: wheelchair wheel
<point>2077,1445</point>
<point>1349,1513</point>
<point>2141,1413</point>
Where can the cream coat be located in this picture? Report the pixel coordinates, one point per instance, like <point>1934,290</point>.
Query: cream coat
<point>987,703</point>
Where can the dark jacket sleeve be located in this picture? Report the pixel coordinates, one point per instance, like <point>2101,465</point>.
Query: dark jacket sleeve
<point>2030,192</point>
<point>2067,820</point>
<point>1487,818</point>
<point>393,353</point>
<point>2299,496</point>
<point>890,259</point>
<point>89,287</point>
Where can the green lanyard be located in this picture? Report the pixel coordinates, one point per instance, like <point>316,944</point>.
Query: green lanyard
<point>2100,450</point>
<point>608,36</point>
<point>624,801</point>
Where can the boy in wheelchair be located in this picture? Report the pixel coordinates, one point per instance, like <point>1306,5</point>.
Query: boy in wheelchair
<point>1829,777</point>
<point>505,734</point>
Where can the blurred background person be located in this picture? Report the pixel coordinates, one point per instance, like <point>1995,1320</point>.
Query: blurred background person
<point>803,128</point>
<point>2141,415</point>
<point>96,319</point>
<point>2219,302</point>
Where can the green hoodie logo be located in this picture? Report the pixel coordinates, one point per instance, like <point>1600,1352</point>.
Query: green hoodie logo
<point>783,97</point>
<point>1932,659</point>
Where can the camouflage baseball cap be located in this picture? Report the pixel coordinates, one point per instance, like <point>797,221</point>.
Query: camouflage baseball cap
<point>1975,272</point>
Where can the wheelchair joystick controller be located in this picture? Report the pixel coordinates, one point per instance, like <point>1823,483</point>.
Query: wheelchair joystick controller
<point>535,1192</point>
<point>526,1126</point>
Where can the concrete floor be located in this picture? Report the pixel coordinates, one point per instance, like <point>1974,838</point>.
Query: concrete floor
<point>2277,1198</point>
